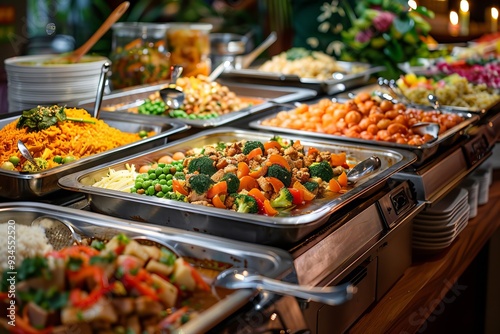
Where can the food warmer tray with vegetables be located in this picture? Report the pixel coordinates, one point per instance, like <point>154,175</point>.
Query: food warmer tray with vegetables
<point>18,185</point>
<point>320,119</point>
<point>273,224</point>
<point>209,255</point>
<point>253,99</point>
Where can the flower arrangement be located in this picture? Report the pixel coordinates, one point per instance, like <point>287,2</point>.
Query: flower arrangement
<point>385,32</point>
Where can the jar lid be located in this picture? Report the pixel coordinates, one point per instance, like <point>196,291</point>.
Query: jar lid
<point>190,26</point>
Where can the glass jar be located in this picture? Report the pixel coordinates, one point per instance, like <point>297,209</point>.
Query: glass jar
<point>139,54</point>
<point>189,46</point>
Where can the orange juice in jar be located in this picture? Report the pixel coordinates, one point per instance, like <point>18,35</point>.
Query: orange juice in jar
<point>189,46</point>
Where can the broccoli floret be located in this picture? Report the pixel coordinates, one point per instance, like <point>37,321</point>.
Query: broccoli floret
<point>245,203</point>
<point>321,169</point>
<point>202,165</point>
<point>251,145</point>
<point>200,183</point>
<point>284,143</point>
<point>280,173</point>
<point>283,200</point>
<point>311,186</point>
<point>233,183</point>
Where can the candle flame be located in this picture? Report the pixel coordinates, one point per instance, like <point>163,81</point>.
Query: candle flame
<point>464,6</point>
<point>494,13</point>
<point>453,17</point>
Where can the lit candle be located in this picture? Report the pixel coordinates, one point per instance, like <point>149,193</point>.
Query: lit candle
<point>453,26</point>
<point>464,17</point>
<point>494,19</point>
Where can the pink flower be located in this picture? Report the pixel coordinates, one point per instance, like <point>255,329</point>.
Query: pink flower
<point>382,22</point>
<point>364,36</point>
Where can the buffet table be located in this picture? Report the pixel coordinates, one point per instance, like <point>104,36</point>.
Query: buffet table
<point>426,282</point>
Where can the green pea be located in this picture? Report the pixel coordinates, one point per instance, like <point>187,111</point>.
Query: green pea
<point>158,171</point>
<point>162,177</point>
<point>143,133</point>
<point>169,177</point>
<point>68,159</point>
<point>146,184</point>
<point>163,182</point>
<point>160,194</point>
<point>165,188</point>
<point>133,190</point>
<point>152,176</point>
<point>138,185</point>
<point>15,160</point>
<point>151,190</point>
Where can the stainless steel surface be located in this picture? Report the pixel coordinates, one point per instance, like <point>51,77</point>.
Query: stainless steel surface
<point>331,86</point>
<point>423,152</point>
<point>173,97</point>
<point>241,278</point>
<point>124,99</point>
<point>363,169</point>
<point>26,153</point>
<point>100,88</point>
<point>283,229</point>
<point>15,185</point>
<point>274,262</point>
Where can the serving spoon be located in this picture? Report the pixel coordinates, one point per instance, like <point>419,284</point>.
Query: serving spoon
<point>59,233</point>
<point>173,97</point>
<point>115,15</point>
<point>240,278</point>
<point>363,169</point>
<point>27,154</point>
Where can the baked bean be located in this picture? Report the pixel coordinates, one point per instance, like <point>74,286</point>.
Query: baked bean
<point>372,129</point>
<point>391,114</point>
<point>352,117</point>
<point>386,105</point>
<point>383,123</point>
<point>394,128</point>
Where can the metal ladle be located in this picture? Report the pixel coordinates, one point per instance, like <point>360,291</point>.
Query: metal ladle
<point>426,128</point>
<point>246,60</point>
<point>239,278</point>
<point>59,233</point>
<point>363,169</point>
<point>173,97</point>
<point>434,101</point>
<point>27,154</point>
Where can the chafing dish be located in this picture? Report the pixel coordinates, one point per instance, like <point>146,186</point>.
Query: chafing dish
<point>122,101</point>
<point>423,152</point>
<point>352,74</point>
<point>283,229</point>
<point>16,185</point>
<point>273,262</point>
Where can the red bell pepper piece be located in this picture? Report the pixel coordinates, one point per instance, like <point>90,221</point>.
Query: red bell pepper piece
<point>298,196</point>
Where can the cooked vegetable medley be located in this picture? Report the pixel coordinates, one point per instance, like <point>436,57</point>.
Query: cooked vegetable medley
<point>120,286</point>
<point>246,176</point>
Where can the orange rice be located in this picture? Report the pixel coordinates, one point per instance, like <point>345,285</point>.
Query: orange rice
<point>66,138</point>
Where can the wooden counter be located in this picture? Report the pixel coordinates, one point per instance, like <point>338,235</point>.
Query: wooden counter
<point>408,304</point>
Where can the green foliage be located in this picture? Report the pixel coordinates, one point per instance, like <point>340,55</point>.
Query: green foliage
<point>40,118</point>
<point>386,33</point>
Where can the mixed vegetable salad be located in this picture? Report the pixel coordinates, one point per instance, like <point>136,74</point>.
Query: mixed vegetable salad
<point>119,286</point>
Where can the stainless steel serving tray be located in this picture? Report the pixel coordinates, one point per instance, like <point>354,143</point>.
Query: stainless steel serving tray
<point>423,152</point>
<point>280,230</point>
<point>16,185</point>
<point>448,108</point>
<point>272,262</point>
<point>135,96</point>
<point>339,83</point>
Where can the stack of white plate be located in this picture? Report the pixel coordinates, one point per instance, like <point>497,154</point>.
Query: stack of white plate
<point>33,81</point>
<point>435,228</point>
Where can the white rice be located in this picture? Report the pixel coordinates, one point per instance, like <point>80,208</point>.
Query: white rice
<point>30,241</point>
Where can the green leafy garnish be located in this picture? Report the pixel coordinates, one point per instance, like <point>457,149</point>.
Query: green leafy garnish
<point>41,118</point>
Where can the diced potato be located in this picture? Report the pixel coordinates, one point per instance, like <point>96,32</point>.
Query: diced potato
<point>129,262</point>
<point>136,249</point>
<point>153,251</point>
<point>182,275</point>
<point>167,291</point>
<point>159,268</point>
<point>101,311</point>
